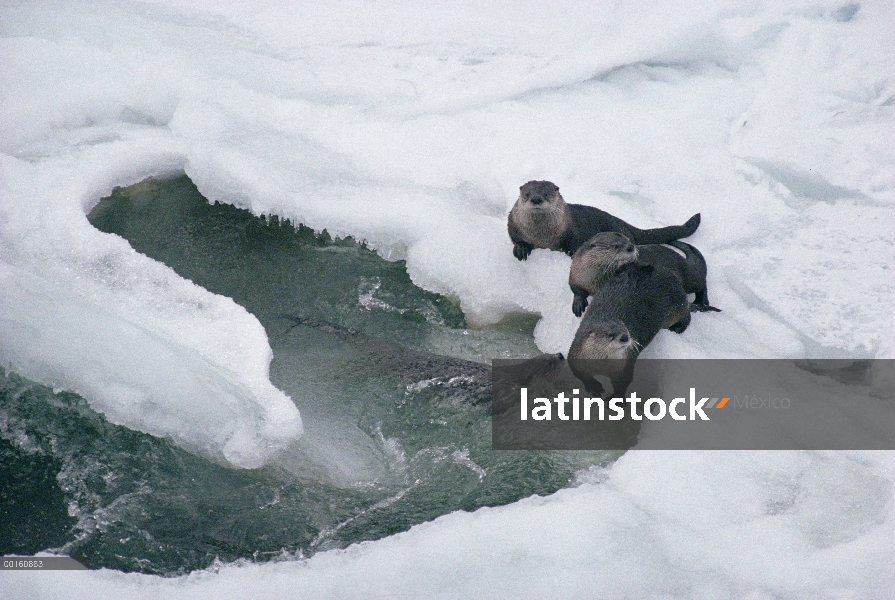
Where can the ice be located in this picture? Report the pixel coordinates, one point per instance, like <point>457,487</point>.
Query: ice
<point>137,378</point>
<point>412,127</point>
<point>83,311</point>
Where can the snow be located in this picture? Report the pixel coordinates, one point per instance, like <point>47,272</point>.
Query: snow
<point>83,311</point>
<point>656,525</point>
<point>411,125</point>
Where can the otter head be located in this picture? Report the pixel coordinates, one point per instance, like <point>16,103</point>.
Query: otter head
<point>610,248</point>
<point>542,369</point>
<point>599,258</point>
<point>607,340</point>
<point>541,215</point>
<point>540,196</point>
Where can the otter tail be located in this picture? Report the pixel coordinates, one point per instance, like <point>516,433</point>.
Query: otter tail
<point>696,262</point>
<point>695,259</point>
<point>664,235</point>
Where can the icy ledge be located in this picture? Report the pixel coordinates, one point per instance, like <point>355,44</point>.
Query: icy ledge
<point>147,348</point>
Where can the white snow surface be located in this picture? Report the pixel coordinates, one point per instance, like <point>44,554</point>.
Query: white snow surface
<point>411,125</point>
<point>658,524</point>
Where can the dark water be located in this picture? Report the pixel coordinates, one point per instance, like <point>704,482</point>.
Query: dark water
<point>393,436</point>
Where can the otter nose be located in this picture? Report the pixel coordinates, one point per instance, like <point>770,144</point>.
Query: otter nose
<point>537,200</point>
<point>623,339</point>
<point>629,249</point>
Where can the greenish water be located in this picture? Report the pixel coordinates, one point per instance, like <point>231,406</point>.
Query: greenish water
<point>396,432</point>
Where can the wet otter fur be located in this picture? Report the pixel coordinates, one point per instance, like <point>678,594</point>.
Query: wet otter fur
<point>600,257</point>
<point>540,218</point>
<point>534,372</point>
<point>417,365</point>
<point>628,310</point>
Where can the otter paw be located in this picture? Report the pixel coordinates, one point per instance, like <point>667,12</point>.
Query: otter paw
<point>579,305</point>
<point>681,325</point>
<point>521,250</point>
<point>704,308</point>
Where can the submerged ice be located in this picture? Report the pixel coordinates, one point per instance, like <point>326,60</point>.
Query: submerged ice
<point>411,128</point>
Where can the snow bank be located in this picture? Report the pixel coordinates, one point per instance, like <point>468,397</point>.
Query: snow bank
<point>656,525</point>
<point>412,127</point>
<point>81,310</point>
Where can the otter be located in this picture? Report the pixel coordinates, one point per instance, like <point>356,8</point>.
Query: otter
<point>542,219</point>
<point>416,365</point>
<point>387,357</point>
<point>602,356</point>
<point>509,376</point>
<point>605,253</point>
<point>628,310</point>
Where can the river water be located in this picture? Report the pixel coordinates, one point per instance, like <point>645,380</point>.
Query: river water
<point>393,435</point>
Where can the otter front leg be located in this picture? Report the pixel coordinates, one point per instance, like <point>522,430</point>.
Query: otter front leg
<point>521,250</point>
<point>681,325</point>
<point>579,304</point>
